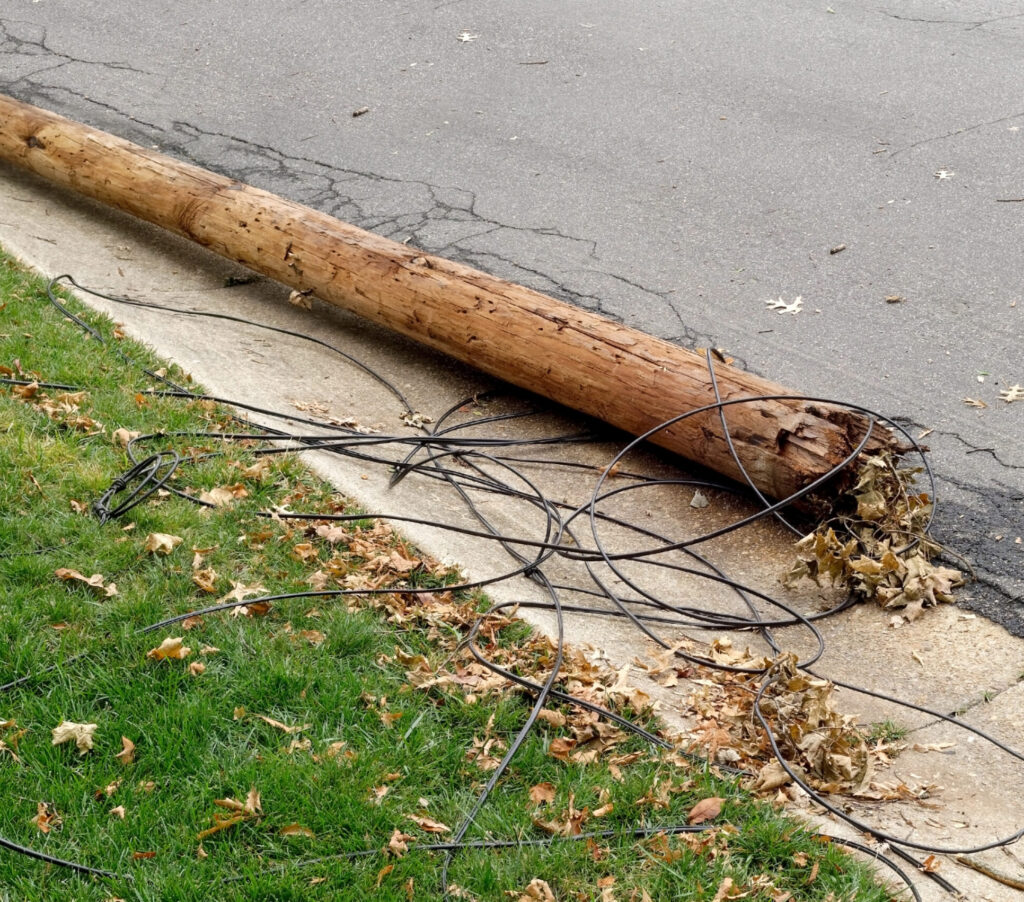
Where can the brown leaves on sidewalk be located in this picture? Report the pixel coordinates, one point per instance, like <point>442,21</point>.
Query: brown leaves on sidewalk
<point>825,748</point>
<point>862,547</point>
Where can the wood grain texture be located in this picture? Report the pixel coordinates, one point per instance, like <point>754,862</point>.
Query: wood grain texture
<point>584,361</point>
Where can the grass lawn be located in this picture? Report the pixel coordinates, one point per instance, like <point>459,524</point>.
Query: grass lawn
<point>294,751</point>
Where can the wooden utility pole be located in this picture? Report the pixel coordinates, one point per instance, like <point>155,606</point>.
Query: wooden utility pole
<point>579,359</point>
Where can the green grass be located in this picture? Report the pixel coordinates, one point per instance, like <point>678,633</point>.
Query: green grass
<point>888,731</point>
<point>91,666</point>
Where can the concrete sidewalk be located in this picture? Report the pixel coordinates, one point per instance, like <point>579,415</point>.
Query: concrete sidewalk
<point>947,660</point>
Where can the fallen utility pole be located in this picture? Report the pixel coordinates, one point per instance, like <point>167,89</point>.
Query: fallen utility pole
<point>574,357</point>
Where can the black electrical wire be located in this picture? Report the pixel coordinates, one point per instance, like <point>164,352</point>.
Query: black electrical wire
<point>181,311</point>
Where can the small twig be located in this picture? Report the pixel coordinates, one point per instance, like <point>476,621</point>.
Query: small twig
<point>989,872</point>
<point>1010,200</point>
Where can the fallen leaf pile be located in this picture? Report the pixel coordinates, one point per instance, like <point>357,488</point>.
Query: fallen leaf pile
<point>862,549</point>
<point>825,748</point>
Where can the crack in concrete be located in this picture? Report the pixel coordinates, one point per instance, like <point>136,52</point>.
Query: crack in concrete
<point>907,424</point>
<point>986,697</point>
<point>971,24</point>
<point>25,46</point>
<point>444,220</point>
<point>954,134</point>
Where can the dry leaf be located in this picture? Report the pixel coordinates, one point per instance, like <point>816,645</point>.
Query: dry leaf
<point>724,890</point>
<point>108,790</point>
<point>430,826</point>
<point>80,732</point>
<point>705,810</point>
<point>170,648</point>
<point>537,891</point>
<point>96,581</point>
<point>259,470</point>
<point>398,844</point>
<point>6,749</point>
<point>283,727</point>
<point>560,748</point>
<point>240,591</point>
<point>206,579</point>
<point>224,495</point>
<point>552,718</point>
<point>253,609</point>
<point>542,793</point>
<point>46,818</point>
<point>197,668</point>
<point>123,436</point>
<point>127,753</point>
<point>297,830</point>
<point>161,543</point>
<point>382,873</point>
<point>1011,394</point>
<point>250,809</point>
<point>780,306</point>
<point>118,812</point>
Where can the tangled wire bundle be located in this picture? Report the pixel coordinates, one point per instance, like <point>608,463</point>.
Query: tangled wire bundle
<point>586,560</point>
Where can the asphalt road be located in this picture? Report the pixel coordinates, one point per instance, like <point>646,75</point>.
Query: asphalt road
<point>673,165</point>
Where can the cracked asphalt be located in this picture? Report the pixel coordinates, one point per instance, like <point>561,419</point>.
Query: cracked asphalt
<point>670,165</point>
